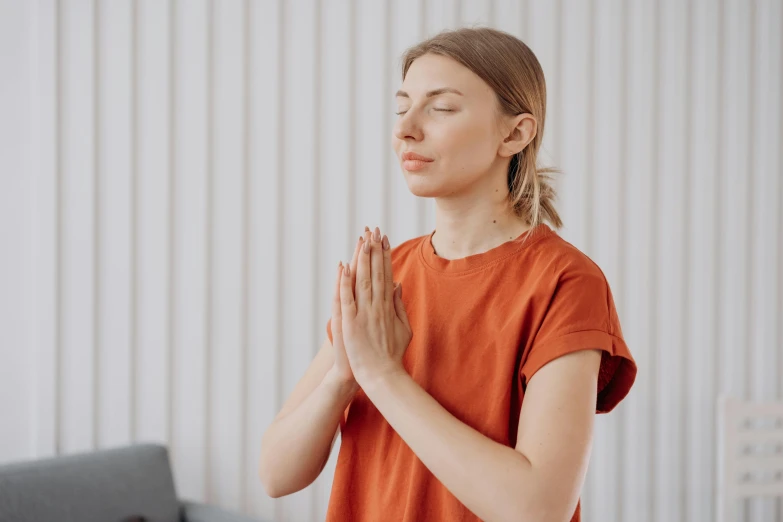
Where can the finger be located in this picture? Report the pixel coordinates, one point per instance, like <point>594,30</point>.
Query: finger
<point>376,268</point>
<point>399,307</point>
<point>389,287</point>
<point>337,323</point>
<point>354,260</point>
<point>355,269</point>
<point>363,282</point>
<point>347,302</point>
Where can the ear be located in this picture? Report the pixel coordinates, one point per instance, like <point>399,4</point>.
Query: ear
<point>522,130</point>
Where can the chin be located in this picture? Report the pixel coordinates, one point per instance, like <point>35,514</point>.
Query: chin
<point>423,187</point>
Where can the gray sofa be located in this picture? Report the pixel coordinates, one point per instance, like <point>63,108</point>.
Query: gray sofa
<point>113,485</point>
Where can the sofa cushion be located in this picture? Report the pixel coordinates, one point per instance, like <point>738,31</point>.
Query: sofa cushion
<point>197,512</point>
<point>103,486</point>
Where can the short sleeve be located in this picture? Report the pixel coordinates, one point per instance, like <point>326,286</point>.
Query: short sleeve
<point>581,315</point>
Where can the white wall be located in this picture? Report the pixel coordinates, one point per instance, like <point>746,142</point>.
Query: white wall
<point>179,179</point>
<point>17,64</point>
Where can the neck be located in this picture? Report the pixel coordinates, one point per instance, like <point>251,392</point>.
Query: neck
<point>470,226</point>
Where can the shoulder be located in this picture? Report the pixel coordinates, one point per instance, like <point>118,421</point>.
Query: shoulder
<point>562,261</point>
<point>579,288</point>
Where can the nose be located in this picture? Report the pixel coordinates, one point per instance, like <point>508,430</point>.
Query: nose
<point>407,127</point>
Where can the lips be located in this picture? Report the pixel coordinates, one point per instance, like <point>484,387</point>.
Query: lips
<point>409,156</point>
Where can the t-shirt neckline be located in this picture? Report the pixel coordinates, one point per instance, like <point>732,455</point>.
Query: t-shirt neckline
<point>479,261</point>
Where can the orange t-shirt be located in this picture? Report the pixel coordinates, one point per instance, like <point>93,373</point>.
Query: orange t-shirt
<point>482,326</point>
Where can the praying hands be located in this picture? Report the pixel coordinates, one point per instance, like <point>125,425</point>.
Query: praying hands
<point>370,326</point>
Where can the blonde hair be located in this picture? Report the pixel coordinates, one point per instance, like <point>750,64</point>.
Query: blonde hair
<point>513,72</point>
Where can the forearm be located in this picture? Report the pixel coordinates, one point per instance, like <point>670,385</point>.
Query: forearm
<point>295,447</point>
<point>494,481</point>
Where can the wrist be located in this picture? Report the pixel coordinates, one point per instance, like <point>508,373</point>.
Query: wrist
<point>343,388</point>
<point>380,377</point>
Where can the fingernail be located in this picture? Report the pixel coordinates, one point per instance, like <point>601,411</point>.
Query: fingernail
<point>385,243</point>
<point>366,228</point>
<point>366,247</point>
<point>377,236</point>
<point>347,271</point>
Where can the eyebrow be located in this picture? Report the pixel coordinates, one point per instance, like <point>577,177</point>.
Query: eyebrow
<point>430,94</point>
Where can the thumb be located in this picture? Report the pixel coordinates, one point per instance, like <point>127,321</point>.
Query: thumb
<point>399,306</point>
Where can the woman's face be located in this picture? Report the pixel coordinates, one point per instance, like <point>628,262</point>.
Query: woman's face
<point>458,131</point>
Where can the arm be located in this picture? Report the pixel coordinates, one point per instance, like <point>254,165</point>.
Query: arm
<point>538,480</point>
<point>296,446</point>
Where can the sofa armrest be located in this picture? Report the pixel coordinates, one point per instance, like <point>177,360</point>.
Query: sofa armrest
<point>197,512</point>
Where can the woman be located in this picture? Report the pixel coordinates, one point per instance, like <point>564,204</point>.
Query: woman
<point>467,391</point>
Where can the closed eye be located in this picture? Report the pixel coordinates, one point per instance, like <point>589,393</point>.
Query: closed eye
<point>435,109</point>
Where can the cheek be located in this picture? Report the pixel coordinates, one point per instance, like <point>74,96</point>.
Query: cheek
<point>467,150</point>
